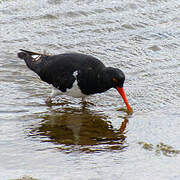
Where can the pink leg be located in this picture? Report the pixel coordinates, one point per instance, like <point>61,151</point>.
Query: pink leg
<point>48,100</point>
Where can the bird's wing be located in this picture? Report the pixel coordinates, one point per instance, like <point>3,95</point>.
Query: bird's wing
<point>61,77</point>
<point>63,81</point>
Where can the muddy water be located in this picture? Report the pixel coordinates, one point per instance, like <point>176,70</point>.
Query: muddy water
<point>100,141</point>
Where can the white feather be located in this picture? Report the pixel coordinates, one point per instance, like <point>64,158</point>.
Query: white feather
<point>74,91</point>
<point>35,56</point>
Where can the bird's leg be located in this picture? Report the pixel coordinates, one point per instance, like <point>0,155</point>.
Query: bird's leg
<point>85,102</point>
<point>53,94</point>
<point>48,100</point>
<point>84,99</point>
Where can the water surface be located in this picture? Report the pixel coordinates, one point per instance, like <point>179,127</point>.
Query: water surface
<point>98,141</point>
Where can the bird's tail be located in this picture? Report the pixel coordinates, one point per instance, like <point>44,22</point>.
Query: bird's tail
<point>33,60</point>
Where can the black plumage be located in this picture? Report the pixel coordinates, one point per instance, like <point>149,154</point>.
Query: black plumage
<point>64,69</point>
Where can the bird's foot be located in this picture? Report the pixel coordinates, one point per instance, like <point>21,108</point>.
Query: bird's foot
<point>48,101</point>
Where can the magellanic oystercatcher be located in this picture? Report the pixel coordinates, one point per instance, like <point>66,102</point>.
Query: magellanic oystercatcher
<point>75,74</point>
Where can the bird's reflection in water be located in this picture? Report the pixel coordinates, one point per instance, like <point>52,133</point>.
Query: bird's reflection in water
<point>76,129</point>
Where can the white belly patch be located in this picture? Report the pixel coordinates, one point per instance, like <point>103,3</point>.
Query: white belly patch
<point>74,91</point>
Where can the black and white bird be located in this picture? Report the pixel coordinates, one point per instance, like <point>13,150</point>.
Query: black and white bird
<point>75,74</point>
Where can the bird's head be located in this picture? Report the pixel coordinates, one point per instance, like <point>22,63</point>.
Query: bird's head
<point>114,78</point>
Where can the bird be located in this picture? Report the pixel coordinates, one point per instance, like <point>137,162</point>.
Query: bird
<point>75,74</point>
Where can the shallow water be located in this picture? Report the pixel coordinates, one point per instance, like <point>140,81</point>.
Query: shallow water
<point>99,141</point>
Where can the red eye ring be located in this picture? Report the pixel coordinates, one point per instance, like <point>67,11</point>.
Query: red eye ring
<point>114,80</point>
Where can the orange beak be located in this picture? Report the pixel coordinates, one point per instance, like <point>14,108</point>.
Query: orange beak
<point>123,94</point>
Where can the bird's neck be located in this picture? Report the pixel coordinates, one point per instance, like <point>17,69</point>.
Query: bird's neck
<point>103,80</point>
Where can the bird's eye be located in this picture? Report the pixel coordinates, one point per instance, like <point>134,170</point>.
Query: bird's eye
<point>114,80</point>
